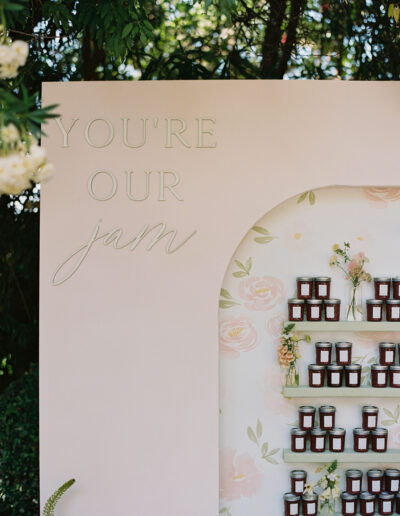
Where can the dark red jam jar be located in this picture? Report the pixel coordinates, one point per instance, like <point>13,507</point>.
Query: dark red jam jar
<point>327,417</point>
<point>398,503</point>
<point>396,290</point>
<point>332,309</point>
<point>375,481</point>
<point>322,286</point>
<point>318,440</point>
<point>296,308</point>
<point>343,353</point>
<point>298,479</point>
<point>379,439</point>
<point>385,503</point>
<point>367,503</point>
<point>310,504</point>
<point>369,417</point>
<point>349,504</point>
<point>393,310</point>
<point>361,440</point>
<point>337,438</point>
<point>298,440</point>
<point>306,417</point>
<point>394,376</point>
<point>379,375</point>
<point>382,288</point>
<point>392,480</point>
<point>387,352</point>
<point>323,353</point>
<point>352,374</point>
<point>353,481</point>
<point>334,375</point>
<point>314,310</point>
<point>305,287</point>
<point>316,375</point>
<point>374,309</point>
<point>292,504</point>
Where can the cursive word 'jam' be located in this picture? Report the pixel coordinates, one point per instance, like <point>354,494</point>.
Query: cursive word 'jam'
<point>72,263</point>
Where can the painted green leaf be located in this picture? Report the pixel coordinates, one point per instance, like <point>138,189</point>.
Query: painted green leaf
<point>397,413</point>
<point>239,274</point>
<point>311,198</point>
<point>225,293</point>
<point>261,230</point>
<point>372,360</point>
<point>259,428</point>
<point>388,413</point>
<point>302,197</point>
<point>264,240</point>
<point>252,435</point>
<point>388,422</point>
<point>275,450</point>
<point>249,264</point>
<point>271,460</point>
<point>240,265</point>
<point>223,303</point>
<point>264,449</point>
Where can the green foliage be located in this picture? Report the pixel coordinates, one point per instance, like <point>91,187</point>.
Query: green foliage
<point>19,443</point>
<point>49,507</point>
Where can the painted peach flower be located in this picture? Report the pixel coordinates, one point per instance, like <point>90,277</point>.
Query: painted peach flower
<point>262,293</point>
<point>273,324</point>
<point>236,335</point>
<point>239,475</point>
<point>381,196</point>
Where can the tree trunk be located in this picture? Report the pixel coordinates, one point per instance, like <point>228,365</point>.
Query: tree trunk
<point>296,10</point>
<point>272,40</point>
<point>92,57</point>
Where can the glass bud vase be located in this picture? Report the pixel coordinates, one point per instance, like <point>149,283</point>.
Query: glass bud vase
<point>354,310</point>
<point>328,507</point>
<point>291,377</point>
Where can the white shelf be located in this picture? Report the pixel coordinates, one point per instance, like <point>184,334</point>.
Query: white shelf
<point>340,392</point>
<point>347,326</point>
<point>348,456</point>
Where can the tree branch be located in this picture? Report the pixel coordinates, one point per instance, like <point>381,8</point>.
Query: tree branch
<point>272,39</point>
<point>296,9</point>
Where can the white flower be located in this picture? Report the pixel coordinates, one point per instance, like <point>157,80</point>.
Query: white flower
<point>20,51</point>
<point>44,173</point>
<point>38,156</point>
<point>8,71</point>
<point>9,133</point>
<point>6,55</point>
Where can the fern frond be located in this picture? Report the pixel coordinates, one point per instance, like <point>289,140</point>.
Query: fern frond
<point>48,509</point>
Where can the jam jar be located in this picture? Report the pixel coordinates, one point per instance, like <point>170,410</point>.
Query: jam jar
<point>298,440</point>
<point>306,417</point>
<point>396,289</point>
<point>318,440</point>
<point>394,376</point>
<point>337,438</point>
<point>392,480</point>
<point>310,504</point>
<point>296,309</point>
<point>334,375</point>
<point>322,287</point>
<point>367,503</point>
<point>379,375</point>
<point>323,353</point>
<point>314,310</point>
<point>379,438</point>
<point>298,479</point>
<point>327,417</point>
<point>352,374</point>
<point>374,309</point>
<point>387,352</point>
<point>343,353</point>
<point>393,310</point>
<point>305,287</point>
<point>398,503</point>
<point>349,504</point>
<point>375,481</point>
<point>385,503</point>
<point>369,417</point>
<point>353,481</point>
<point>316,375</point>
<point>292,504</point>
<point>382,288</point>
<point>361,440</point>
<point>332,309</point>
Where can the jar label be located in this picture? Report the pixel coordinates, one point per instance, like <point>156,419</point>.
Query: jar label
<point>335,378</point>
<point>376,486</point>
<point>296,312</point>
<point>376,312</point>
<point>330,312</point>
<point>316,378</point>
<point>380,443</point>
<point>396,378</point>
<point>387,507</point>
<point>312,508</point>
<point>343,355</point>
<point>372,421</point>
<point>307,421</point>
<point>356,485</point>
<point>319,443</point>
<point>362,443</point>
<point>305,289</point>
<point>299,486</point>
<point>394,485</point>
<point>324,356</point>
<point>299,441</point>
<point>294,509</point>
<point>336,443</point>
<point>315,311</point>
<point>383,290</point>
<point>328,421</point>
<point>381,378</point>
<point>389,356</point>
<point>395,312</point>
<point>353,378</point>
<point>369,506</point>
<point>322,290</point>
<point>349,506</point>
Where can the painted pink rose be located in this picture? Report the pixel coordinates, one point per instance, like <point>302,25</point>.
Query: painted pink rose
<point>381,196</point>
<point>239,475</point>
<point>262,293</point>
<point>394,436</point>
<point>273,324</point>
<point>237,335</point>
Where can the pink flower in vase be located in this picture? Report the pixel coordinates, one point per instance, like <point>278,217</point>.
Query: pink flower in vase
<point>236,335</point>
<point>262,293</point>
<point>239,475</point>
